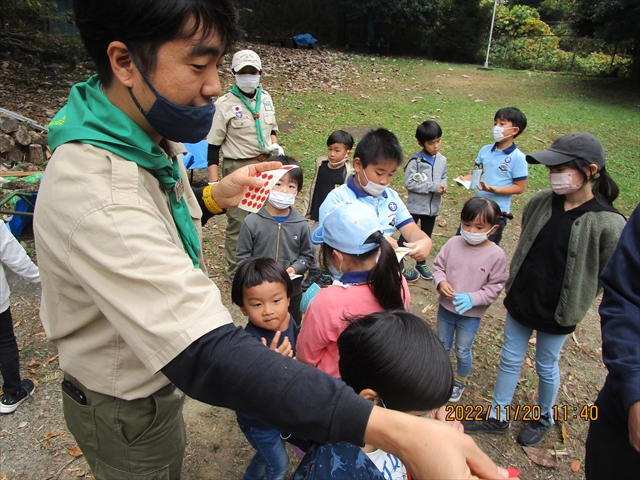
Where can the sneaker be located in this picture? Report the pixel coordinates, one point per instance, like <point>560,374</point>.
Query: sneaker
<point>535,431</point>
<point>9,402</point>
<point>458,388</point>
<point>493,426</point>
<point>410,275</point>
<point>424,271</point>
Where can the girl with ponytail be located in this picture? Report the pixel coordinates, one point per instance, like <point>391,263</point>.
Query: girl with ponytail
<point>367,279</point>
<point>568,234</point>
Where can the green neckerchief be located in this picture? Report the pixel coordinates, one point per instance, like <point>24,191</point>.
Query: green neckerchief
<point>254,111</point>
<point>89,117</point>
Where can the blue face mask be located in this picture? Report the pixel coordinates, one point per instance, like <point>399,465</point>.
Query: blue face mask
<point>178,123</point>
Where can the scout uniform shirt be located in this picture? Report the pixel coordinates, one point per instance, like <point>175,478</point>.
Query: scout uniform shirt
<point>234,127</point>
<point>120,296</point>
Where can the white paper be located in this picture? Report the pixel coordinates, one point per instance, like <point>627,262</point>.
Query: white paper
<point>401,252</point>
<point>465,183</point>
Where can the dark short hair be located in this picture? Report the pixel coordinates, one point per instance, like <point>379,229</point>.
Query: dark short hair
<point>378,146</point>
<point>340,136</point>
<point>513,115</point>
<point>428,131</point>
<point>295,173</point>
<point>396,354</point>
<point>144,25</point>
<point>485,208</point>
<point>256,270</point>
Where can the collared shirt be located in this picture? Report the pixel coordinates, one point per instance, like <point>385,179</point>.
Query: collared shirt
<point>234,127</point>
<point>120,297</point>
<point>501,168</point>
<point>391,210</point>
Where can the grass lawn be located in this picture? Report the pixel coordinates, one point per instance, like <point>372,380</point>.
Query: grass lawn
<point>398,94</point>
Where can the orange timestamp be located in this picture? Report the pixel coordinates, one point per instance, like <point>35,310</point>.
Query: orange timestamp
<point>562,413</point>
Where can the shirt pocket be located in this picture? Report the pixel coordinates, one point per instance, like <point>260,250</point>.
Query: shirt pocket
<point>241,123</point>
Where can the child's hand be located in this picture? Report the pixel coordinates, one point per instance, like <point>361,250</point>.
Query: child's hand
<point>285,349</point>
<point>446,290</point>
<point>308,217</point>
<point>442,190</point>
<point>291,271</point>
<point>487,188</point>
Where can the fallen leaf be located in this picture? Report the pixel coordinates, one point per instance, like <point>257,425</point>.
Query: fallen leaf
<point>528,360</point>
<point>50,359</point>
<point>22,425</point>
<point>51,435</point>
<point>75,452</point>
<point>563,431</point>
<point>575,465</point>
<point>541,457</point>
<point>81,473</point>
<point>32,364</point>
<point>3,476</point>
<point>41,334</point>
<point>442,223</point>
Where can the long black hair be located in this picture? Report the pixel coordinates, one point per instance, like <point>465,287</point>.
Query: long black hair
<point>385,279</point>
<point>399,356</point>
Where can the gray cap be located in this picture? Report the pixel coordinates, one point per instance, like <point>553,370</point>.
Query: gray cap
<point>571,147</point>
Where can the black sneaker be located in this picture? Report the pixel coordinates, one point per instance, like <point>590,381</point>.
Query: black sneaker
<point>493,426</point>
<point>535,431</point>
<point>424,271</point>
<point>8,402</point>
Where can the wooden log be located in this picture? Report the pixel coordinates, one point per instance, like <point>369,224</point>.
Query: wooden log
<point>8,124</point>
<point>36,155</point>
<point>6,143</point>
<point>21,136</point>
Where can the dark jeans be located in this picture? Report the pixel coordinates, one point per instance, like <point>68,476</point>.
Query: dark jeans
<point>9,357</point>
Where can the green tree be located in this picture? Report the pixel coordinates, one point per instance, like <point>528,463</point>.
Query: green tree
<point>410,11</point>
<point>613,21</point>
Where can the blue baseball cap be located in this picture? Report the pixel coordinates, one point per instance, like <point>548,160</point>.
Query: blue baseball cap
<point>347,227</point>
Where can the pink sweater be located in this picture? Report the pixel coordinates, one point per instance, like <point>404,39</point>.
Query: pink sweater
<point>478,271</point>
<point>324,322</point>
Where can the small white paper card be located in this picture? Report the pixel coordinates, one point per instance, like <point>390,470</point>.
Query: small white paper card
<point>465,183</point>
<point>293,276</point>
<point>254,197</point>
<point>401,252</point>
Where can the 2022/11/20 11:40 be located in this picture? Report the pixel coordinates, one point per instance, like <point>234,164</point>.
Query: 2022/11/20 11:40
<point>563,413</point>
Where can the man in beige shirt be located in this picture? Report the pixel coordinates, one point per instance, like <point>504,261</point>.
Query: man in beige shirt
<point>244,130</point>
<point>136,323</point>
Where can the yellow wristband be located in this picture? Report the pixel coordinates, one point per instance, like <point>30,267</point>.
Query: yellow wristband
<point>210,203</point>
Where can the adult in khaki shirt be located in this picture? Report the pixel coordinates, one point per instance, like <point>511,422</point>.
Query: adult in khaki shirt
<point>244,130</point>
<point>133,317</point>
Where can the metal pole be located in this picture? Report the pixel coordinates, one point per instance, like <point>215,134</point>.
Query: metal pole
<point>493,19</point>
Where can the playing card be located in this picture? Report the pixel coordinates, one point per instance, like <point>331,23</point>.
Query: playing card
<point>254,197</point>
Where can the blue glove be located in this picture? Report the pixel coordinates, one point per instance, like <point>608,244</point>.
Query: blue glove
<point>462,302</point>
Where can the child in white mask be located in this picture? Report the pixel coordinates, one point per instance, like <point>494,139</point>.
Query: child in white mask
<point>469,273</point>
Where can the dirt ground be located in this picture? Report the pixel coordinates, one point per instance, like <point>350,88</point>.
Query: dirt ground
<point>34,441</point>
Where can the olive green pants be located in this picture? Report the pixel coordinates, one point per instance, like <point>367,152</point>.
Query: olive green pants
<point>235,217</point>
<point>141,439</point>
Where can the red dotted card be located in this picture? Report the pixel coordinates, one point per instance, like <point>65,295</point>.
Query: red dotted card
<point>253,198</point>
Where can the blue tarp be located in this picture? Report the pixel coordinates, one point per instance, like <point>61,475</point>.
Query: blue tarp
<point>304,39</point>
<point>196,156</point>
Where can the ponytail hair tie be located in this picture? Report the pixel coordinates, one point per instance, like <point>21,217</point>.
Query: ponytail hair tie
<point>375,237</point>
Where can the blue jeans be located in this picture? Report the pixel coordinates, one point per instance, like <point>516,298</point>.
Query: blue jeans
<point>548,347</point>
<point>271,457</point>
<point>465,329</point>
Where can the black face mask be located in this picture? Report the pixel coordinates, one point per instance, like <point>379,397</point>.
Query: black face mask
<point>178,123</point>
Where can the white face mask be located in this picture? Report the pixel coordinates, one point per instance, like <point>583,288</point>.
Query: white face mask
<point>281,200</point>
<point>373,189</point>
<point>336,273</point>
<point>338,164</point>
<point>474,238</point>
<point>498,133</point>
<point>562,183</point>
<point>247,83</point>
